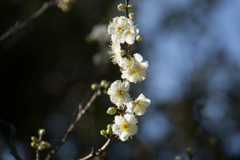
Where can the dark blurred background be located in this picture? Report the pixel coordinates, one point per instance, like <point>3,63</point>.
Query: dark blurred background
<point>193,82</point>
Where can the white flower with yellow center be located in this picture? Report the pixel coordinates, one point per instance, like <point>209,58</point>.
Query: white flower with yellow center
<point>115,53</point>
<point>139,105</point>
<point>118,92</point>
<point>122,30</point>
<point>118,29</point>
<point>125,126</point>
<point>136,70</point>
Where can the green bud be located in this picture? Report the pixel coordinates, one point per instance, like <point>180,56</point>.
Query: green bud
<point>41,147</point>
<point>45,144</point>
<point>41,132</point>
<point>34,145</point>
<point>139,38</point>
<point>189,150</point>
<point>121,7</point>
<point>103,132</point>
<point>109,131</point>
<point>121,108</point>
<point>105,91</point>
<point>34,139</point>
<point>132,15</point>
<point>106,85</point>
<point>109,126</point>
<point>122,52</point>
<point>111,110</point>
<point>102,83</point>
<point>130,7</point>
<point>187,158</point>
<point>94,86</point>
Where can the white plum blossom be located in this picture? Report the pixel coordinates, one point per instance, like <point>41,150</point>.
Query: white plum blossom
<point>139,59</point>
<point>122,30</point>
<point>135,71</point>
<point>115,53</point>
<point>118,92</point>
<point>139,105</point>
<point>125,126</point>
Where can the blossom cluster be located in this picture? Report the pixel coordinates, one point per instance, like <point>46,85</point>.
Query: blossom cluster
<point>122,30</point>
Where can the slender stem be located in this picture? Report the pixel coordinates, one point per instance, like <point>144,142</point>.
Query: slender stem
<point>37,154</point>
<point>11,139</point>
<point>73,125</point>
<point>100,150</point>
<point>126,4</point>
<point>19,26</point>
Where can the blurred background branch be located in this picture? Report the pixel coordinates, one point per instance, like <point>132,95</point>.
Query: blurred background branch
<point>20,25</point>
<point>12,134</point>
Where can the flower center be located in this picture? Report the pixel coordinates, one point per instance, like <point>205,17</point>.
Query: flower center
<point>137,103</point>
<point>134,71</point>
<point>119,29</point>
<point>124,126</point>
<point>120,92</point>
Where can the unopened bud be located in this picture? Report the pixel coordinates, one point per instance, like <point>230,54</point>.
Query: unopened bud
<point>45,144</point>
<point>109,126</point>
<point>41,132</point>
<point>111,110</point>
<point>102,83</point>
<point>103,132</point>
<point>189,150</point>
<point>121,7</point>
<point>34,139</point>
<point>121,108</point>
<point>122,52</point>
<point>106,85</point>
<point>41,147</point>
<point>130,7</point>
<point>177,158</point>
<point>34,145</point>
<point>94,86</point>
<point>109,131</point>
<point>139,38</point>
<point>132,15</point>
<point>105,91</point>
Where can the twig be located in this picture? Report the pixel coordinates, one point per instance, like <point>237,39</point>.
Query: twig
<point>100,150</point>
<point>126,4</point>
<point>19,26</point>
<point>73,125</point>
<point>11,139</point>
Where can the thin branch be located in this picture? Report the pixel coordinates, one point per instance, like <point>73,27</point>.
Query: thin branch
<point>19,26</point>
<point>100,150</point>
<point>11,139</point>
<point>73,125</point>
<point>126,4</point>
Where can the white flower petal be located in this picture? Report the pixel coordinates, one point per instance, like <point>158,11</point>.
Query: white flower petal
<point>116,129</point>
<point>138,57</point>
<point>124,136</point>
<point>130,118</point>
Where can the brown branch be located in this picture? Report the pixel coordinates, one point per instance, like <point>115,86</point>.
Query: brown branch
<point>100,150</point>
<point>19,26</point>
<point>73,125</point>
<point>11,139</point>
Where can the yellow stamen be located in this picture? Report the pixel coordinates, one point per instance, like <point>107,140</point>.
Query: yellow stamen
<point>119,29</point>
<point>134,71</point>
<point>124,126</point>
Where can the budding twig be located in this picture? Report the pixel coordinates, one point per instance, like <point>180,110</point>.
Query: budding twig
<point>73,125</point>
<point>100,150</point>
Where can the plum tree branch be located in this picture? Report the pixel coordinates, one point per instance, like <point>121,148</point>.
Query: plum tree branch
<point>19,26</point>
